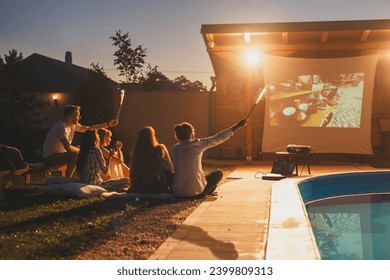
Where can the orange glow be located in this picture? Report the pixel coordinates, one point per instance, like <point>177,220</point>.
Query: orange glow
<point>253,57</point>
<point>55,97</point>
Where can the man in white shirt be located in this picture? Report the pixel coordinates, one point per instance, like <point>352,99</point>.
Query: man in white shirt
<point>189,179</point>
<point>57,148</point>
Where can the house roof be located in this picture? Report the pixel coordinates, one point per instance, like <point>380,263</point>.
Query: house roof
<point>42,73</point>
<point>226,43</point>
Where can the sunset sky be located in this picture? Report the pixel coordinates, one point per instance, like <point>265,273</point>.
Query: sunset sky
<point>168,29</point>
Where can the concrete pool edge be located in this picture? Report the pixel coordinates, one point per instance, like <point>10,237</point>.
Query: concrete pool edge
<point>290,235</point>
<point>353,183</point>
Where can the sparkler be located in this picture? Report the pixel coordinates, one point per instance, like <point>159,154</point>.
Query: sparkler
<point>260,97</point>
<point>121,102</point>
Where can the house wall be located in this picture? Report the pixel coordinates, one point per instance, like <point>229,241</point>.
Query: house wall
<point>52,111</point>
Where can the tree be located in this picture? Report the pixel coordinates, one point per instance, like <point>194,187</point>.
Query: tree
<point>198,86</point>
<point>11,58</point>
<point>182,83</point>
<point>98,70</point>
<point>130,60</point>
<point>19,112</point>
<point>155,80</point>
<point>9,70</point>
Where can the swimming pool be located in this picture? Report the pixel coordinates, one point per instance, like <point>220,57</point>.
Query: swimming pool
<point>349,214</point>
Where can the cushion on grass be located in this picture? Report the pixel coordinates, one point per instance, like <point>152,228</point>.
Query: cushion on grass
<point>162,196</point>
<point>80,190</point>
<point>52,189</point>
<point>77,190</point>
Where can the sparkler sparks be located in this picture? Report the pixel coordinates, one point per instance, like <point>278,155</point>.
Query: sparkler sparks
<point>121,102</point>
<point>260,97</point>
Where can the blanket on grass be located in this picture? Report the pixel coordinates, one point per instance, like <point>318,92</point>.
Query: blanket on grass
<point>73,188</point>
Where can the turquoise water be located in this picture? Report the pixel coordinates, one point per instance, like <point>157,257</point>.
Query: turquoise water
<point>350,214</point>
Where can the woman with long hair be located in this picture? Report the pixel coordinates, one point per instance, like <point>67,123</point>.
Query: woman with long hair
<point>151,168</point>
<point>93,168</point>
<point>118,169</point>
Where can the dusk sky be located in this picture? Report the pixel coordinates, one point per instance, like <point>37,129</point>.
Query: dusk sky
<point>168,29</point>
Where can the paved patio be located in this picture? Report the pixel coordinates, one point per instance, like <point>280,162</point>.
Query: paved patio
<point>237,224</point>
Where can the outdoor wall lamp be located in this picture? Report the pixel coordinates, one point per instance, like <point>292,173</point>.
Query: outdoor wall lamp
<point>55,97</point>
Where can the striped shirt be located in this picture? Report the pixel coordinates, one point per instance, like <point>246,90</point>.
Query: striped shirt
<point>94,166</point>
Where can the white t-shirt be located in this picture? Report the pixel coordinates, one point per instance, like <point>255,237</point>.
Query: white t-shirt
<point>59,130</point>
<point>189,178</point>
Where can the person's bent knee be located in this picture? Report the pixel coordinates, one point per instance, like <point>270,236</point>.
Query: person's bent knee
<point>72,156</point>
<point>214,177</point>
<point>219,174</point>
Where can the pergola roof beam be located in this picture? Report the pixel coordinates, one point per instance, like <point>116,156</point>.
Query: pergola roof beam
<point>365,35</point>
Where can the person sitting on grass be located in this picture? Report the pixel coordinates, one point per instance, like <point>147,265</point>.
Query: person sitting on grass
<point>118,169</point>
<point>93,168</point>
<point>189,180</point>
<point>151,168</point>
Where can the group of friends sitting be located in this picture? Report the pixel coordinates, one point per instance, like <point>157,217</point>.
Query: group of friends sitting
<point>151,169</point>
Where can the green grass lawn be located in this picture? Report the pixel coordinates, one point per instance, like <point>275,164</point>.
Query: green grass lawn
<point>35,225</point>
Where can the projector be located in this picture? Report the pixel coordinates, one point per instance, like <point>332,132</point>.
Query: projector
<point>298,149</point>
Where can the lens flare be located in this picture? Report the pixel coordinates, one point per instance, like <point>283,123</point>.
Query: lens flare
<point>252,57</point>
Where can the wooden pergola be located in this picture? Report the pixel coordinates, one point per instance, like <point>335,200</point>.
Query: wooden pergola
<point>296,39</point>
<point>236,82</point>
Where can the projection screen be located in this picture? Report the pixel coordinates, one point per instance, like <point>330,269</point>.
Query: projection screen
<point>324,103</point>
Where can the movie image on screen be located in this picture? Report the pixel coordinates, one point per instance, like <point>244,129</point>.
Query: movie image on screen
<point>314,100</point>
<point>325,103</point>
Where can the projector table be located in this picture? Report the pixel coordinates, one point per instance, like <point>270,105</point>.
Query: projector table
<point>296,157</point>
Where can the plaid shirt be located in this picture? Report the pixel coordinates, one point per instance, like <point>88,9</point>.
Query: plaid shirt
<point>94,166</point>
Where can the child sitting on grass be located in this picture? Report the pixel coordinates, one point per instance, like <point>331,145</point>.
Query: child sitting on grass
<point>93,168</point>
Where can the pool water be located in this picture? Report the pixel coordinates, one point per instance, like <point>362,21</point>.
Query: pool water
<point>350,214</point>
<point>352,227</point>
